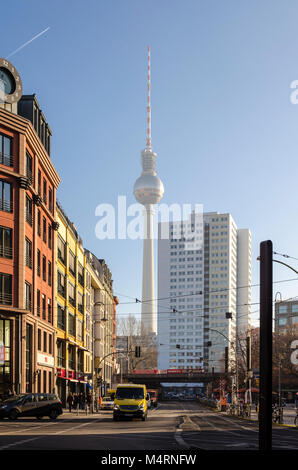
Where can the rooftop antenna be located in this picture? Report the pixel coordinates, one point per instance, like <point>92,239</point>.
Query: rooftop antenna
<point>149,143</point>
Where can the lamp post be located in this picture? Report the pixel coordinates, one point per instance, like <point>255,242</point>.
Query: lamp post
<point>266,281</point>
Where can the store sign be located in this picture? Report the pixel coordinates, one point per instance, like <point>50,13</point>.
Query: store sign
<point>71,374</point>
<point>45,360</point>
<point>61,372</point>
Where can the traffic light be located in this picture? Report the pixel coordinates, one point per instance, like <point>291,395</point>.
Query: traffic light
<point>209,344</point>
<point>99,381</point>
<point>229,315</point>
<point>138,351</point>
<point>177,346</point>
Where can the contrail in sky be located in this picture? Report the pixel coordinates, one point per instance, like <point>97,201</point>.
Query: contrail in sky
<point>28,42</point>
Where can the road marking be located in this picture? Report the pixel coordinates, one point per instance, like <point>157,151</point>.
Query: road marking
<point>19,442</point>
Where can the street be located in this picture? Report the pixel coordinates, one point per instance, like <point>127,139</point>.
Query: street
<point>171,426</point>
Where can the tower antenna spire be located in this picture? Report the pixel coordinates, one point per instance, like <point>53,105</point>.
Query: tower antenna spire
<point>149,142</point>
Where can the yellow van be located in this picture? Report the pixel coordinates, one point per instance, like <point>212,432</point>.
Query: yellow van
<point>130,401</point>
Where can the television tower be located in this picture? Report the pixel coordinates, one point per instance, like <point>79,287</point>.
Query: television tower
<point>148,190</point>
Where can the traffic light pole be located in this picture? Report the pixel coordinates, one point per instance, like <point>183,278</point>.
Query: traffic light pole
<point>265,410</point>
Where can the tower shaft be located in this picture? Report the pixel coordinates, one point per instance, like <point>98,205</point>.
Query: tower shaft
<point>148,315</point>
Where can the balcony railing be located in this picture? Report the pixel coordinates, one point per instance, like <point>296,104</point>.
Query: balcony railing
<point>5,298</point>
<point>61,290</point>
<point>6,160</point>
<point>29,218</point>
<point>5,252</point>
<point>5,205</point>
<point>28,261</point>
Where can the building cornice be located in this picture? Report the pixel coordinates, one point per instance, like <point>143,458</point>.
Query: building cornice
<point>25,127</point>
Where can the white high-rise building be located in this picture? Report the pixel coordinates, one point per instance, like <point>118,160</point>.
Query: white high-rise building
<point>148,191</point>
<point>203,273</point>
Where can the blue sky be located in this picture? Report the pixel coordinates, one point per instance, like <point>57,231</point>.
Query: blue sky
<point>223,125</point>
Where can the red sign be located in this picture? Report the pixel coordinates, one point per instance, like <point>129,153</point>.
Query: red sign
<point>60,372</point>
<point>174,371</point>
<point>145,371</point>
<point>71,374</point>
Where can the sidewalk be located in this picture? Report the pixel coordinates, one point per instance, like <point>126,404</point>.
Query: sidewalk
<point>288,415</point>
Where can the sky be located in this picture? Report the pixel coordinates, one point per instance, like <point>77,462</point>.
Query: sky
<point>223,124</point>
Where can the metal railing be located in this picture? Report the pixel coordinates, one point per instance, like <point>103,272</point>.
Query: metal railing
<point>6,160</point>
<point>5,298</point>
<point>5,252</point>
<point>6,205</point>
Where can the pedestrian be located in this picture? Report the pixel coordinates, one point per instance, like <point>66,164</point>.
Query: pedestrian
<point>75,401</point>
<point>70,401</point>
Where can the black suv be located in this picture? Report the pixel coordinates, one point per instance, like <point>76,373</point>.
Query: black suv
<point>31,404</point>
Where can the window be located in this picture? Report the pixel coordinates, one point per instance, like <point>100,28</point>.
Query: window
<point>44,313</point>
<point>38,222</point>
<point>44,191</point>
<point>38,302</point>
<point>5,150</point>
<point>50,343</point>
<point>29,167</point>
<point>61,284</point>
<point>50,236</point>
<point>60,354</point>
<point>28,253</point>
<point>27,296</point>
<point>50,200</point>
<point>49,273</point>
<point>295,308</point>
<point>5,196</point>
<point>71,294</point>
<point>38,262</point>
<point>5,242</point>
<point>44,222</point>
<point>80,330</point>
<point>28,210</point>
<point>81,274</point>
<point>71,324</point>
<point>45,341</point>
<point>80,302</point>
<point>39,339</point>
<point>72,263</point>
<point>39,182</point>
<point>60,317</point>
<point>61,249</point>
<point>45,381</point>
<point>49,311</point>
<point>44,268</point>
<point>71,357</point>
<point>283,309</point>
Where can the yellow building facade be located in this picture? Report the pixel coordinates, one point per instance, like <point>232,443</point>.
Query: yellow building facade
<point>73,323</point>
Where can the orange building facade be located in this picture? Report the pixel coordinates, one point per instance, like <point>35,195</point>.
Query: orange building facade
<point>28,183</point>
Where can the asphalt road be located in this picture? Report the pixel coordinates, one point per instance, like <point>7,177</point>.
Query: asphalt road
<point>172,426</point>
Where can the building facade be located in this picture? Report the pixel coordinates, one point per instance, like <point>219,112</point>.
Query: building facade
<point>201,263</point>
<point>74,357</point>
<point>28,182</point>
<point>286,316</point>
<point>103,305</point>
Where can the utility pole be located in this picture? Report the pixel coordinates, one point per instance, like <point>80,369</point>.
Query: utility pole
<point>265,414</point>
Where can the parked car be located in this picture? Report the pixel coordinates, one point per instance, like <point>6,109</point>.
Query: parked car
<point>106,404</point>
<point>31,404</point>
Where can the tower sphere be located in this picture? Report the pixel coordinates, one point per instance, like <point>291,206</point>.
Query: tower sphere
<point>148,189</point>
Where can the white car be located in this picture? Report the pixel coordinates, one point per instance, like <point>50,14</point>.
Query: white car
<point>107,403</point>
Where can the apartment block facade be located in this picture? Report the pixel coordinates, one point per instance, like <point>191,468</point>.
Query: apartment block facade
<point>201,264</point>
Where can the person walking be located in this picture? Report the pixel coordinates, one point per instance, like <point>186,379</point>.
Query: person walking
<point>70,401</point>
